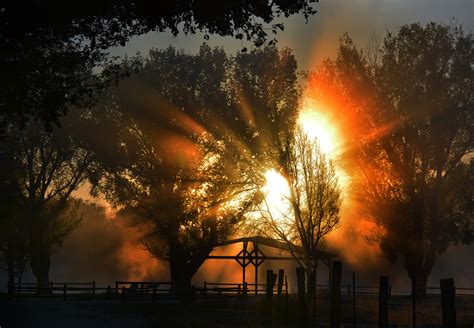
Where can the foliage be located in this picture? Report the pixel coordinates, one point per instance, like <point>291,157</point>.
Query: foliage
<point>184,206</point>
<point>49,49</point>
<point>266,94</point>
<point>113,23</point>
<point>13,235</point>
<point>180,149</point>
<point>49,167</point>
<point>413,105</point>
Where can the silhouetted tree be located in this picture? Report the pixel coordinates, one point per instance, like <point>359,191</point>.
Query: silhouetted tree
<point>169,173</point>
<point>309,209</point>
<point>183,147</point>
<point>266,95</point>
<point>183,201</point>
<point>49,166</point>
<point>413,102</point>
<point>47,48</point>
<point>13,237</point>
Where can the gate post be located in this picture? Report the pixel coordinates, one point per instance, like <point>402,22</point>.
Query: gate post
<point>300,278</point>
<point>281,274</point>
<point>383,302</point>
<point>336,294</point>
<point>271,278</point>
<point>448,302</point>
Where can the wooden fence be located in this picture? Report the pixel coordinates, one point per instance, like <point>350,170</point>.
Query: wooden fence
<point>146,288</point>
<point>135,288</point>
<point>153,290</point>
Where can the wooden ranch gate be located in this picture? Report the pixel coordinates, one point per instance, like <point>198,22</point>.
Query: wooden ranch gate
<point>256,256</point>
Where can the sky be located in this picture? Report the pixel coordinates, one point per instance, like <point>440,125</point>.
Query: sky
<point>317,39</point>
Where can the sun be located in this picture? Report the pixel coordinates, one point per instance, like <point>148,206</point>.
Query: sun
<point>276,184</point>
<point>276,192</point>
<point>317,125</point>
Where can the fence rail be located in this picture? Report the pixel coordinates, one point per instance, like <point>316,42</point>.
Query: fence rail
<point>338,295</point>
<point>150,288</point>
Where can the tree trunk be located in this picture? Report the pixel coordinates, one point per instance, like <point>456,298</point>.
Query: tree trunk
<point>421,280</point>
<point>180,276</point>
<point>418,273</point>
<point>40,258</point>
<point>11,269</point>
<point>311,276</point>
<point>312,280</point>
<point>184,263</point>
<point>181,279</point>
<point>312,286</point>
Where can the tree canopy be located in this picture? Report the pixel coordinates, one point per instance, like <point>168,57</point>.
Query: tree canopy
<point>411,100</point>
<point>183,139</point>
<point>49,48</point>
<point>48,167</point>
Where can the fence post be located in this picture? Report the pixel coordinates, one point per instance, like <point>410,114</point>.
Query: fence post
<point>354,299</point>
<point>281,275</point>
<point>245,288</point>
<point>51,287</point>
<point>286,285</point>
<point>300,279</point>
<point>383,302</point>
<point>271,278</point>
<point>336,278</point>
<point>448,302</point>
<point>64,291</point>
<point>205,287</point>
<point>302,310</point>
<point>413,300</point>
<point>11,286</point>
<point>123,294</point>
<point>109,291</point>
<point>116,288</point>
<point>238,290</point>
<point>93,287</point>
<point>154,293</point>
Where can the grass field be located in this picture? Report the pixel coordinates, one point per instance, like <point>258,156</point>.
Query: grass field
<point>217,311</point>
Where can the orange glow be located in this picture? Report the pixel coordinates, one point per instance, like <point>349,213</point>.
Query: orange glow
<point>320,123</point>
<point>341,118</point>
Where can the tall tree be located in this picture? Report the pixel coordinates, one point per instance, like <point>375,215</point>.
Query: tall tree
<point>182,199</point>
<point>49,167</point>
<point>14,254</point>
<point>183,147</point>
<point>308,210</point>
<point>168,172</point>
<point>413,103</point>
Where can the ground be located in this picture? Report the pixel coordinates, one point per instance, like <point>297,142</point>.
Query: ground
<point>214,311</point>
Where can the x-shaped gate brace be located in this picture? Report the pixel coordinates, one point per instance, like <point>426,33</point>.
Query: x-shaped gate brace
<point>257,257</point>
<point>244,257</point>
